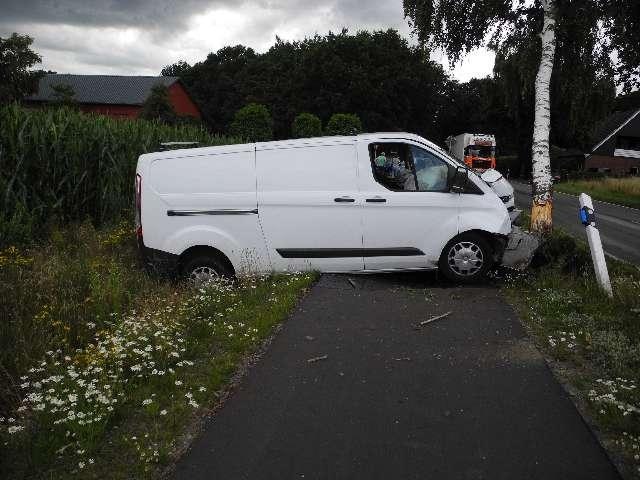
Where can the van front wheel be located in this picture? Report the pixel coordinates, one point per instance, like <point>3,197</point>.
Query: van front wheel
<point>466,258</point>
<point>205,268</point>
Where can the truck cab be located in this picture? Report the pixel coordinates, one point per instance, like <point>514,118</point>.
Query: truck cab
<point>476,150</point>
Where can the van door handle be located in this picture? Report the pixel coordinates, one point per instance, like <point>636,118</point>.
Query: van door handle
<point>376,200</point>
<point>344,200</point>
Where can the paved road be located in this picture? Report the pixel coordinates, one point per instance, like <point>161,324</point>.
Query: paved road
<point>465,397</point>
<point>619,226</point>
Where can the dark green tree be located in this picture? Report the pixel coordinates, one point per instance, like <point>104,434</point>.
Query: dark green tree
<point>63,95</point>
<point>218,84</point>
<point>389,84</point>
<point>252,122</point>
<point>629,101</point>
<point>17,80</point>
<point>178,69</point>
<point>343,124</point>
<point>477,106</point>
<point>582,90</point>
<point>157,106</point>
<point>306,125</point>
<point>535,26</point>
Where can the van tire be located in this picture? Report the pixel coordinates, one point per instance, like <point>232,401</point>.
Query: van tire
<point>466,258</point>
<point>197,268</point>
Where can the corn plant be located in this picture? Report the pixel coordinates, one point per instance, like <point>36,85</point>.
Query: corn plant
<point>60,165</point>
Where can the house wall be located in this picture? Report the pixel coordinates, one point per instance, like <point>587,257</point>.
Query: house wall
<point>182,103</point>
<point>117,111</point>
<point>618,165</point>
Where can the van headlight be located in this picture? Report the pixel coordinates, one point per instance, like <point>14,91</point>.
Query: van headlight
<point>506,198</point>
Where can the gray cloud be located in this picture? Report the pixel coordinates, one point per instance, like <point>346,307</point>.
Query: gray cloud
<point>141,36</point>
<point>140,13</point>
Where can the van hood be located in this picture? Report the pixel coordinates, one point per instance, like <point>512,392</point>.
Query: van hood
<point>490,176</point>
<point>499,185</point>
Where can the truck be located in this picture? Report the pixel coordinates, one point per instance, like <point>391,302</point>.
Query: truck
<point>362,203</point>
<point>476,150</point>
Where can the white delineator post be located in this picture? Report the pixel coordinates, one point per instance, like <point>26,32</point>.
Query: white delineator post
<point>593,235</point>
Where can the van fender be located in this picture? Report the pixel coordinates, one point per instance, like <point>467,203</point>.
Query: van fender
<point>495,228</point>
<point>205,235</point>
<point>484,220</point>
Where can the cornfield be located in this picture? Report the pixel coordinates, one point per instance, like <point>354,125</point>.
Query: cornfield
<point>59,165</point>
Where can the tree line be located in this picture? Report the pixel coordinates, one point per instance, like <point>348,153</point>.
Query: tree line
<point>377,76</point>
<point>391,85</point>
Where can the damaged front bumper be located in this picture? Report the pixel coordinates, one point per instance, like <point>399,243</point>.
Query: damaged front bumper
<point>519,249</point>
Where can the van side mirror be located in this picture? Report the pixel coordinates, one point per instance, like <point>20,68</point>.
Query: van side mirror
<point>459,180</point>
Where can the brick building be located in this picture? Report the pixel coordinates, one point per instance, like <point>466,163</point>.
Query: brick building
<point>114,95</point>
<point>618,147</point>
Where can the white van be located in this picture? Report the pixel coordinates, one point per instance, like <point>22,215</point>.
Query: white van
<point>365,203</point>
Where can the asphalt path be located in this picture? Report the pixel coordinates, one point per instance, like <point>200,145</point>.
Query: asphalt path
<point>466,396</point>
<point>619,226</point>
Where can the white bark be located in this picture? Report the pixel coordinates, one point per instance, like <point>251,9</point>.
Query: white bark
<point>542,120</point>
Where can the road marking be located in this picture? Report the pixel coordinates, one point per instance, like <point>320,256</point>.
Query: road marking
<point>572,195</point>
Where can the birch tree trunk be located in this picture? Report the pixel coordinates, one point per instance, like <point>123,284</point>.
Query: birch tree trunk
<point>542,206</point>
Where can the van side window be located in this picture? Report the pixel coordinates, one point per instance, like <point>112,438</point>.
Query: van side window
<point>393,166</point>
<point>406,168</point>
<point>431,171</point>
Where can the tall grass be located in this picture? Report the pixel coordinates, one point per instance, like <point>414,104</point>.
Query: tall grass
<point>59,165</point>
<point>102,366</point>
<point>58,295</point>
<point>625,191</point>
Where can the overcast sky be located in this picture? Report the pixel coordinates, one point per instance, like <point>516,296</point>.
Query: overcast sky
<point>139,37</point>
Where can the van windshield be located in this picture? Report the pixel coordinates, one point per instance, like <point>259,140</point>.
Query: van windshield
<point>480,151</point>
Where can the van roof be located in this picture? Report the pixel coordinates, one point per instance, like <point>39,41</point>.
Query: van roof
<point>297,142</point>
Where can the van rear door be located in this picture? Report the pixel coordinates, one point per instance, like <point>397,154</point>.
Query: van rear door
<point>309,207</point>
<point>205,197</point>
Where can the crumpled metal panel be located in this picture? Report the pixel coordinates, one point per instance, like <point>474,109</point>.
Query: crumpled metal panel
<point>520,248</point>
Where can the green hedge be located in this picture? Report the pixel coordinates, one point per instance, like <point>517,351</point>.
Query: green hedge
<point>343,124</point>
<point>306,125</point>
<point>252,122</point>
<point>59,165</point>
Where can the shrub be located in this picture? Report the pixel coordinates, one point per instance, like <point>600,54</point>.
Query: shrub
<point>614,351</point>
<point>343,124</point>
<point>562,250</point>
<point>252,122</point>
<point>306,125</point>
<point>157,106</point>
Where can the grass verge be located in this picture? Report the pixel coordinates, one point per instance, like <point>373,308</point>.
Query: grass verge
<point>592,340</point>
<point>623,191</point>
<point>105,367</point>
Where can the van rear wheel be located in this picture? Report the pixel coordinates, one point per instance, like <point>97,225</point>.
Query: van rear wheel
<point>466,258</point>
<point>202,269</point>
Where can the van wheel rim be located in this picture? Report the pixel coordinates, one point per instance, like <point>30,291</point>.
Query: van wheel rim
<point>203,274</point>
<point>465,258</point>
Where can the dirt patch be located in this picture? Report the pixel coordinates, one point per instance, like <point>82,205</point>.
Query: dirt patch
<point>522,351</point>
